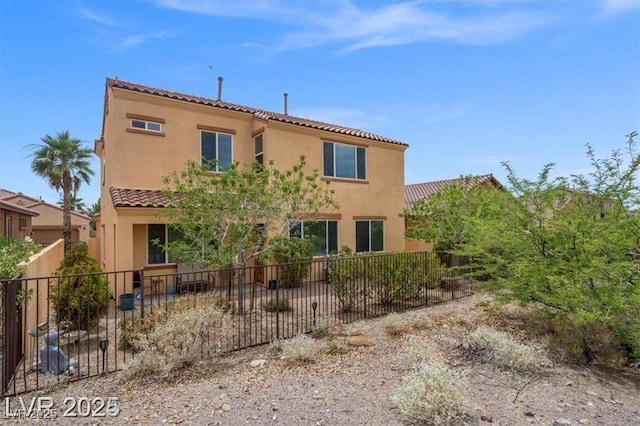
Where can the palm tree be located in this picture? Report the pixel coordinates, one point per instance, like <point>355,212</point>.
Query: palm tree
<point>64,163</point>
<point>77,204</point>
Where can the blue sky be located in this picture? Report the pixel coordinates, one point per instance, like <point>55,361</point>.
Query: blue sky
<point>466,84</point>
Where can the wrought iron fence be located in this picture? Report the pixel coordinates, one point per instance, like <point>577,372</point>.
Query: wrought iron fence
<point>270,302</point>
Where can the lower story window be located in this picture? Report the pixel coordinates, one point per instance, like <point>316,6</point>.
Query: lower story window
<point>158,235</point>
<point>369,235</point>
<point>322,233</point>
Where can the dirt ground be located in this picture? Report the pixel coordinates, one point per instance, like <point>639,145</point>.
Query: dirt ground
<point>352,380</point>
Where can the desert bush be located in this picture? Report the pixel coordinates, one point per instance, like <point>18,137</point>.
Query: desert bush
<point>197,332</point>
<point>13,251</point>
<point>397,277</point>
<point>300,348</point>
<point>345,273</point>
<point>320,327</point>
<point>82,299</point>
<point>416,351</point>
<point>394,325</point>
<point>133,328</point>
<point>507,351</point>
<point>432,394</point>
<point>334,348</point>
<point>281,305</point>
<point>294,256</point>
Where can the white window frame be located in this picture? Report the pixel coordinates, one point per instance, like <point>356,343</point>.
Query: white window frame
<point>217,159</point>
<point>335,163</point>
<point>146,125</point>
<point>256,153</point>
<point>326,242</point>
<point>149,243</point>
<point>369,221</point>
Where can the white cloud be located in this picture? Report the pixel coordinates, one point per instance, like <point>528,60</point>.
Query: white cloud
<point>616,7</point>
<point>95,17</point>
<point>355,27</point>
<point>343,116</point>
<point>130,41</point>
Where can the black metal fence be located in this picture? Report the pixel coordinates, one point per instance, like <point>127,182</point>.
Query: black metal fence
<point>270,302</point>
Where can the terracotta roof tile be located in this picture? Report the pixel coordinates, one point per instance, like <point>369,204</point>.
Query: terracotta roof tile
<point>258,113</point>
<point>129,197</point>
<point>424,190</point>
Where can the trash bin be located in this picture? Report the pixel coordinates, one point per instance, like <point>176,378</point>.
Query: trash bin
<point>126,301</point>
<point>273,284</point>
<point>171,288</point>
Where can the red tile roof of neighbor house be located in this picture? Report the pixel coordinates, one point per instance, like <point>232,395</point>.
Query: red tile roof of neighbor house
<point>126,197</point>
<point>424,190</point>
<point>258,113</point>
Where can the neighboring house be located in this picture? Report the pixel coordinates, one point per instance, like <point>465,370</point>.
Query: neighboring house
<point>16,220</point>
<point>46,227</point>
<point>148,133</point>
<point>424,190</point>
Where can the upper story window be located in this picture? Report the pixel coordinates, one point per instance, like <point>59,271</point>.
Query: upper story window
<point>145,124</point>
<point>344,161</point>
<point>258,145</point>
<point>217,150</point>
<point>151,126</point>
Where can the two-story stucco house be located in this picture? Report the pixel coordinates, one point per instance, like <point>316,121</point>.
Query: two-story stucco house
<point>149,132</point>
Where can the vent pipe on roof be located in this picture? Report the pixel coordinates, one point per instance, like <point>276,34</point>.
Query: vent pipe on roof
<point>219,88</point>
<point>286,106</point>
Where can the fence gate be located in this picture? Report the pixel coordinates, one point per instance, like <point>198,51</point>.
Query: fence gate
<point>11,329</point>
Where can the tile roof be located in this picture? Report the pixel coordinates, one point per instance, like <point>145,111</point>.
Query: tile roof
<point>256,112</point>
<point>6,205</point>
<point>416,191</point>
<point>128,197</point>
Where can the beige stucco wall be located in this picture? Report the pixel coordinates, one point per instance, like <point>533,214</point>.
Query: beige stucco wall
<point>38,269</point>
<point>135,160</point>
<point>16,231</point>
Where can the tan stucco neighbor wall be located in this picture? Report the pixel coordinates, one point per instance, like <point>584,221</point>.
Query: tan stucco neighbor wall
<point>140,159</point>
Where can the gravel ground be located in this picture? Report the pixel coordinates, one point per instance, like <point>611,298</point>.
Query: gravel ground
<point>354,385</point>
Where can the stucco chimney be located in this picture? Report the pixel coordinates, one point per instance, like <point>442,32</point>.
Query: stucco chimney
<point>286,106</point>
<point>219,88</point>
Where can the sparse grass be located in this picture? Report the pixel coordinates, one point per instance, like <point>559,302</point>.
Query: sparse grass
<point>416,351</point>
<point>334,348</point>
<point>394,325</point>
<point>301,348</point>
<point>281,305</point>
<point>506,351</point>
<point>321,327</point>
<point>432,394</point>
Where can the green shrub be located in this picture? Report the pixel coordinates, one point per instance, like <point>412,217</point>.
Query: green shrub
<point>281,305</point>
<point>14,251</point>
<point>432,394</point>
<point>81,299</point>
<point>397,277</point>
<point>294,256</point>
<point>345,273</point>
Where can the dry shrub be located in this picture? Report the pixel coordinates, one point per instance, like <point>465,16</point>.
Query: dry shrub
<point>191,334</point>
<point>594,342</point>
<point>300,348</point>
<point>506,351</point>
<point>421,321</point>
<point>281,305</point>
<point>133,328</point>
<point>417,351</point>
<point>432,394</point>
<point>321,327</point>
<point>394,325</point>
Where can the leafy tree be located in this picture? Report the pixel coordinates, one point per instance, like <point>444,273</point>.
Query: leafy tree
<point>568,245</point>
<point>233,217</point>
<point>13,251</point>
<point>64,163</point>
